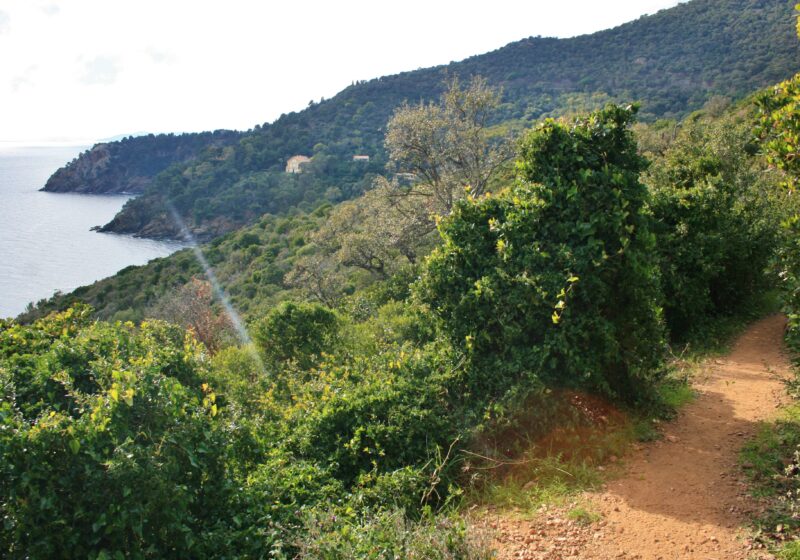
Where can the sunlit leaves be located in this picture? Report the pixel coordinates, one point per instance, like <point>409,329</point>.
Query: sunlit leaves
<point>532,278</point>
<point>88,416</point>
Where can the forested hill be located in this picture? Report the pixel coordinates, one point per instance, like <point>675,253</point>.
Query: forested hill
<point>129,165</point>
<point>672,62</point>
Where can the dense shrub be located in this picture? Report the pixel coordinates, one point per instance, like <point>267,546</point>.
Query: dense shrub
<point>113,442</point>
<point>108,443</point>
<point>789,266</point>
<point>297,331</point>
<point>239,378</point>
<point>375,413</point>
<point>780,136</point>
<point>714,213</point>
<point>554,278</point>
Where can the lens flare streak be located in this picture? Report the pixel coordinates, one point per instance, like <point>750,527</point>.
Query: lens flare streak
<point>219,292</point>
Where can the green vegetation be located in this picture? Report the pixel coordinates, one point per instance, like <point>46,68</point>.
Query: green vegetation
<point>108,440</point>
<point>715,207</point>
<point>675,394</point>
<point>486,361</point>
<point>672,62</point>
<point>772,460</point>
<point>780,132</point>
<point>790,551</point>
<point>766,454</point>
<point>390,535</point>
<point>528,280</point>
<point>129,165</point>
<point>583,516</point>
<point>355,431</point>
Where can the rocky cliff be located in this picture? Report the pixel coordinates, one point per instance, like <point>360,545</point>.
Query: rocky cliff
<point>129,166</point>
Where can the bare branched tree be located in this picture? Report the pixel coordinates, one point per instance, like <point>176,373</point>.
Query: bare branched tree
<point>192,306</point>
<point>447,145</point>
<point>440,149</point>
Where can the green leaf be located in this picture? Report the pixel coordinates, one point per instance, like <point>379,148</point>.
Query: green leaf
<point>96,526</point>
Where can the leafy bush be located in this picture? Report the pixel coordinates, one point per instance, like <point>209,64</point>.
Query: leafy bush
<point>780,128</point>
<point>375,413</point>
<point>297,331</point>
<point>266,515</point>
<point>108,442</point>
<point>238,375</point>
<point>554,277</point>
<point>789,266</point>
<point>780,132</point>
<point>714,211</point>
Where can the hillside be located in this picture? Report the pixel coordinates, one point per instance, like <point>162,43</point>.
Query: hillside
<point>524,354</point>
<point>506,370</point>
<point>129,165</point>
<point>672,62</point>
<point>251,263</point>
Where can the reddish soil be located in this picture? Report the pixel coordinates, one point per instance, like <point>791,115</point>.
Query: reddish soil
<point>684,496</point>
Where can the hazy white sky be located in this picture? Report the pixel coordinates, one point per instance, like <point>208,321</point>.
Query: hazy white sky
<point>81,70</point>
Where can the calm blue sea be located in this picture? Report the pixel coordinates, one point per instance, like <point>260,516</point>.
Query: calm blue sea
<point>45,238</point>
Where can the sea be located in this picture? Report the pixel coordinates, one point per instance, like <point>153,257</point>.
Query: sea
<point>46,242</point>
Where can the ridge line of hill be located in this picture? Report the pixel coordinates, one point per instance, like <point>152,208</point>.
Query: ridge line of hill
<point>672,62</point>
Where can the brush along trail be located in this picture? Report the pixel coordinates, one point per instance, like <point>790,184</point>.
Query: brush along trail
<point>681,497</point>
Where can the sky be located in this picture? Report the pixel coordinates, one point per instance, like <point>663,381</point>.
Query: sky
<point>77,71</point>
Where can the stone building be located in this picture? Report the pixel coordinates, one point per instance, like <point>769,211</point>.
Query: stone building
<point>295,164</point>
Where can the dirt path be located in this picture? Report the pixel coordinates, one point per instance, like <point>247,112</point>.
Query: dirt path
<point>681,497</point>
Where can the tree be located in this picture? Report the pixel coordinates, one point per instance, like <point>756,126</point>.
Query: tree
<point>192,306</point>
<point>374,231</point>
<point>447,146</point>
<point>317,275</point>
<point>378,233</point>
<point>713,207</point>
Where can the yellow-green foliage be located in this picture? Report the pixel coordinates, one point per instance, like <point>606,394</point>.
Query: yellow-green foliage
<point>780,137</point>
<point>554,278</point>
<point>789,551</point>
<point>107,439</point>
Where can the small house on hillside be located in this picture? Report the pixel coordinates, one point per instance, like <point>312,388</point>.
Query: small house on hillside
<point>360,157</point>
<point>296,163</point>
